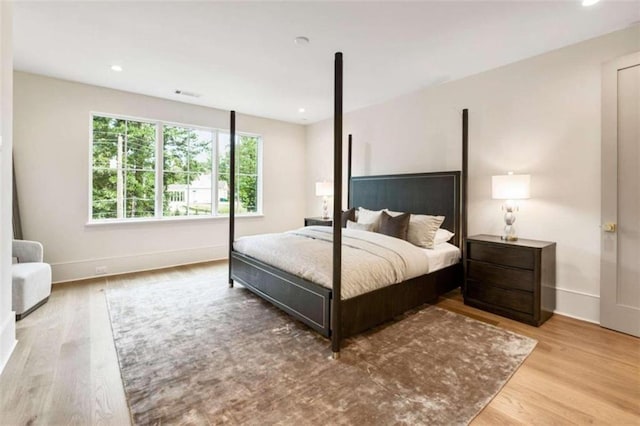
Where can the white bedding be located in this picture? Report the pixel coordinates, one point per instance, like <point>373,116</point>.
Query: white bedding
<point>441,256</point>
<point>369,260</point>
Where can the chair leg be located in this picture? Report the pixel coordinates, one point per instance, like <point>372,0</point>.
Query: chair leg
<point>31,309</point>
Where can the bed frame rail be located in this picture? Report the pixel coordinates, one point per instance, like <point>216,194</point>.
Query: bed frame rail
<point>301,299</point>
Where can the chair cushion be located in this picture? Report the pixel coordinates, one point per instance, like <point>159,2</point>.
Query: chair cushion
<point>31,283</point>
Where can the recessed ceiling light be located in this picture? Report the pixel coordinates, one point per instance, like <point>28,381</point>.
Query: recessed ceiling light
<point>301,40</point>
<point>116,68</point>
<point>300,110</point>
<point>589,2</point>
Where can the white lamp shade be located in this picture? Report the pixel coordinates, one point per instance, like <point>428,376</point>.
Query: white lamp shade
<point>510,187</point>
<point>324,189</point>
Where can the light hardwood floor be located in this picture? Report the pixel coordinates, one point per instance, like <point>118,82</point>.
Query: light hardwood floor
<point>65,371</point>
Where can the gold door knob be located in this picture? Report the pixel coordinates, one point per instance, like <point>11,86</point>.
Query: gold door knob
<point>609,227</point>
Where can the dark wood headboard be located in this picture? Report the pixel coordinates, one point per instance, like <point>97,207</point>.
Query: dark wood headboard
<point>435,194</point>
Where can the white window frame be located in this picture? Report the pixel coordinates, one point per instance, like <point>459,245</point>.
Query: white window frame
<point>159,172</point>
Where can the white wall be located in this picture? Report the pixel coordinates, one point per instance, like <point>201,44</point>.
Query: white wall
<point>7,316</point>
<point>539,116</point>
<point>51,133</point>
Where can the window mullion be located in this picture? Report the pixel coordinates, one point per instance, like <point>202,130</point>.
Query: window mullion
<point>259,176</point>
<point>214,173</point>
<point>119,177</point>
<point>159,169</point>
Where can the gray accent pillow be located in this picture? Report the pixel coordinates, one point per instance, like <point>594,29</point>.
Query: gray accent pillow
<point>394,226</point>
<point>348,215</point>
<point>422,229</point>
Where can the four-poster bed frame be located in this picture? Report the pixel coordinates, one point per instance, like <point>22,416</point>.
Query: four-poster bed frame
<point>321,308</point>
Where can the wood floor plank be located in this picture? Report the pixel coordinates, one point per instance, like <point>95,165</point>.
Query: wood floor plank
<point>65,369</point>
<point>592,407</point>
<point>494,417</point>
<point>110,405</point>
<point>70,399</point>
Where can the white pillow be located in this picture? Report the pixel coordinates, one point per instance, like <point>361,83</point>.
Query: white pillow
<point>422,229</point>
<point>359,226</point>
<point>442,236</point>
<point>370,217</point>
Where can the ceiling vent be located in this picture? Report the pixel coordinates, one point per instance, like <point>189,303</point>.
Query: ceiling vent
<point>186,93</point>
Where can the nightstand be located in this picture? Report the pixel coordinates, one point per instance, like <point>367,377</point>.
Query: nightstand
<point>310,221</point>
<point>515,279</point>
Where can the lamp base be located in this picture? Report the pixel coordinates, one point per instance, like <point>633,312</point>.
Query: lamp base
<point>509,233</point>
<point>325,208</point>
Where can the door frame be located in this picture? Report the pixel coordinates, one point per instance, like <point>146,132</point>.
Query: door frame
<point>625,315</point>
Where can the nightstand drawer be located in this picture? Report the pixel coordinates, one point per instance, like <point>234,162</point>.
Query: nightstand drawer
<point>516,300</point>
<point>502,255</point>
<point>519,279</point>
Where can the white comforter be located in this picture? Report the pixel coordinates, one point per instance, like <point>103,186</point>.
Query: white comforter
<point>369,260</point>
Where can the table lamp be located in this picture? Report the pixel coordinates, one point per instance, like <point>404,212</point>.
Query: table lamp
<point>324,190</point>
<point>510,188</point>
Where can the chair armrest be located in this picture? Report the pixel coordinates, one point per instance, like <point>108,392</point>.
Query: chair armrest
<point>27,251</point>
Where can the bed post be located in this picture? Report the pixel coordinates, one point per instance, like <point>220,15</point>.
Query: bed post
<point>349,171</point>
<point>465,184</point>
<point>336,311</point>
<point>232,190</point>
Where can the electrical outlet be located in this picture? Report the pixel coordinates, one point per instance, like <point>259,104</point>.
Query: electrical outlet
<point>101,270</point>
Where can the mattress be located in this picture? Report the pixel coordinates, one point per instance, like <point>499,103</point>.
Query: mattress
<point>369,260</point>
<point>443,255</point>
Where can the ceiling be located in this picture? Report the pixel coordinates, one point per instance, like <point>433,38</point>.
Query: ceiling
<point>241,55</point>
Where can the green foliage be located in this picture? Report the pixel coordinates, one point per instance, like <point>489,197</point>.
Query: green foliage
<point>136,141</point>
<point>187,156</point>
<point>246,171</point>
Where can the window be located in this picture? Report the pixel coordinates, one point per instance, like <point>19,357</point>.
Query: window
<point>123,168</point>
<point>187,172</point>
<point>143,169</point>
<point>247,152</point>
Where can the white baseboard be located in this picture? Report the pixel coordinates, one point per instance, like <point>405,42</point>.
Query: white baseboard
<point>7,339</point>
<point>571,303</point>
<point>83,269</point>
<point>578,305</point>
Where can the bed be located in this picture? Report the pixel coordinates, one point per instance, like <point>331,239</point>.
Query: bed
<point>320,306</point>
<point>371,260</point>
<point>310,302</point>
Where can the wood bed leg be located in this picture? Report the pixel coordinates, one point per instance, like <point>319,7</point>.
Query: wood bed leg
<point>335,355</point>
<point>349,171</point>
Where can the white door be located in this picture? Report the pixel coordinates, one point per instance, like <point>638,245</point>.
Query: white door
<point>620,262</point>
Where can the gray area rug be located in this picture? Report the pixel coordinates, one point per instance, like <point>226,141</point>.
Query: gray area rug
<point>200,353</point>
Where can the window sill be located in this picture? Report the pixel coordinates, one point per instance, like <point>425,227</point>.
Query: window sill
<point>173,219</point>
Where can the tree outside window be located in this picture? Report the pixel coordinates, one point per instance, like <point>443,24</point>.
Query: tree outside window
<point>193,172</point>
<point>123,168</point>
<point>247,150</point>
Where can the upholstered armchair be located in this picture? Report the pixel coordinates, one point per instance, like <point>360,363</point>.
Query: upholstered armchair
<point>31,277</point>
